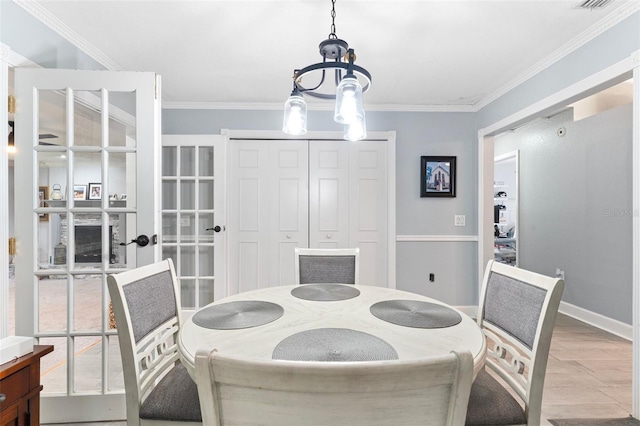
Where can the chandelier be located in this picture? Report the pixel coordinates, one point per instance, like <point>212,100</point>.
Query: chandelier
<point>346,90</point>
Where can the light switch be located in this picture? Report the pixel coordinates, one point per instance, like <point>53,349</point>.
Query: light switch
<point>459,220</point>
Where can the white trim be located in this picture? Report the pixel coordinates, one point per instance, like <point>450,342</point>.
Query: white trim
<point>436,238</point>
<point>316,135</point>
<point>635,273</point>
<point>15,59</point>
<point>270,106</point>
<point>51,21</point>
<point>610,325</point>
<point>4,193</point>
<point>572,45</point>
<point>391,209</point>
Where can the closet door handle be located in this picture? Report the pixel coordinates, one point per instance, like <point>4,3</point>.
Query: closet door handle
<point>329,236</point>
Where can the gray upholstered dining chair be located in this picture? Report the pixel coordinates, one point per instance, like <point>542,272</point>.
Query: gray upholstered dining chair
<point>429,391</point>
<point>146,306</point>
<point>317,266</point>
<point>517,313</point>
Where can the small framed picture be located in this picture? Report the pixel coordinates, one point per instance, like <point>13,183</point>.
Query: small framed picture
<point>437,176</point>
<point>95,191</point>
<point>43,195</point>
<point>79,192</point>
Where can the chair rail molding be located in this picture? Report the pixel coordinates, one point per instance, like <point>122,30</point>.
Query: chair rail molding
<point>436,238</point>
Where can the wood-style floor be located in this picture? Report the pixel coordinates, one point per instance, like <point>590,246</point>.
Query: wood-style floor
<point>588,374</point>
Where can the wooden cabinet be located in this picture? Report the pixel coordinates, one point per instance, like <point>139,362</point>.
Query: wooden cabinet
<point>20,389</point>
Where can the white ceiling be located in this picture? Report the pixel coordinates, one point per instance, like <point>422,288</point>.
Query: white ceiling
<point>455,55</point>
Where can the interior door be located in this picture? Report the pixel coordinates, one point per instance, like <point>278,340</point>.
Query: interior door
<point>87,160</point>
<point>368,204</point>
<point>268,212</point>
<point>329,194</point>
<point>193,217</point>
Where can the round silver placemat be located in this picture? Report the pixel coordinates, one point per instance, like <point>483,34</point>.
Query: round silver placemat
<point>334,344</point>
<point>414,313</point>
<point>241,314</point>
<point>325,292</point>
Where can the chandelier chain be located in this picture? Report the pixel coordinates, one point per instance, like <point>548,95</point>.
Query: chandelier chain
<point>333,35</point>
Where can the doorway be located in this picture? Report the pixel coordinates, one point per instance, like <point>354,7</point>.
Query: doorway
<point>545,109</point>
<point>505,207</point>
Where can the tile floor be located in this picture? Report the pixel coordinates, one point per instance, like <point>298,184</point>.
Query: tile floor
<point>588,374</point>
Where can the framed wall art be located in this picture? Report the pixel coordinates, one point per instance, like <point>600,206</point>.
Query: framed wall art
<point>79,192</point>
<point>43,195</point>
<point>437,176</point>
<point>95,191</point>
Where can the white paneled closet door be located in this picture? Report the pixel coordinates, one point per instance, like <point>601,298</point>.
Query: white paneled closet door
<point>268,212</point>
<point>368,201</point>
<point>319,193</point>
<point>329,194</point>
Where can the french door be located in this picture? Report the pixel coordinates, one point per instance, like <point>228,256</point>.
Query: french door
<point>193,216</point>
<point>86,174</point>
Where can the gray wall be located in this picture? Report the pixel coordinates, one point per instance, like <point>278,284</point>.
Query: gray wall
<point>575,206</point>
<point>454,263</point>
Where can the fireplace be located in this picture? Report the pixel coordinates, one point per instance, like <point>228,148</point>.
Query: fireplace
<point>89,244</point>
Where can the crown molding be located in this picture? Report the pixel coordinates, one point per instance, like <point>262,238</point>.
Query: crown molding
<point>14,59</point>
<point>607,22</point>
<point>44,16</point>
<point>421,108</point>
<point>221,105</point>
<point>313,107</point>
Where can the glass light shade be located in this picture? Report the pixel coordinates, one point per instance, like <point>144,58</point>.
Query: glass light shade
<point>357,130</point>
<point>348,100</point>
<point>295,115</point>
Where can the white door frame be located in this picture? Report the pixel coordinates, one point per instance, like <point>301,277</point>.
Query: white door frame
<point>4,193</point>
<point>390,137</point>
<point>516,156</point>
<point>615,73</point>
<point>8,59</point>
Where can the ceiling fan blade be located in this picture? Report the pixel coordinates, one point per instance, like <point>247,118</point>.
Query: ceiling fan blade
<point>47,136</point>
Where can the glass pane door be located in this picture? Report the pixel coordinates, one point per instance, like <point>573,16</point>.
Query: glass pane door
<point>193,222</point>
<point>80,151</point>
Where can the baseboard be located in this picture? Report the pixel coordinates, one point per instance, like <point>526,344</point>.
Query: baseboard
<point>597,320</point>
<point>472,311</point>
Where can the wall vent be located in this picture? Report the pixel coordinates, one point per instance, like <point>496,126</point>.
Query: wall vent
<point>593,4</point>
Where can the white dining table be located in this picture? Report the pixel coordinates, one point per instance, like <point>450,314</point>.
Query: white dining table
<point>301,315</point>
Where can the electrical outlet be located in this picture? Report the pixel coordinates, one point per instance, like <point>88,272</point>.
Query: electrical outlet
<point>432,277</point>
<point>459,220</point>
<point>560,273</point>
